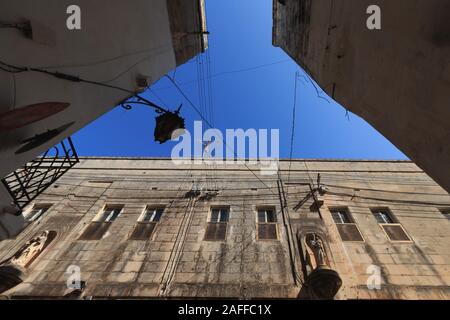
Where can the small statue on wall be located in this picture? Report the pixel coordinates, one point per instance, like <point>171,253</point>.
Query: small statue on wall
<point>322,281</point>
<point>30,250</point>
<point>14,269</point>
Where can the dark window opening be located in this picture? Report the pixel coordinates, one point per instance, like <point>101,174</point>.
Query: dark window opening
<point>152,214</point>
<point>341,216</point>
<point>266,215</point>
<point>143,231</point>
<point>110,214</point>
<point>383,216</point>
<point>395,232</point>
<point>216,229</point>
<point>146,226</point>
<point>97,229</point>
<point>219,215</point>
<point>37,212</point>
<point>349,232</point>
<point>347,228</point>
<point>393,229</point>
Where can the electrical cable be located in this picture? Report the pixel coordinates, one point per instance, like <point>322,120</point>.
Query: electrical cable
<point>203,86</point>
<point>177,258</point>
<point>288,227</point>
<point>158,97</point>
<point>293,127</point>
<point>210,91</point>
<point>207,122</point>
<point>154,51</point>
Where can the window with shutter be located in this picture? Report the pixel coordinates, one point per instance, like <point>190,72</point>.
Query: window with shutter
<point>97,228</point>
<point>216,228</point>
<point>216,231</point>
<point>347,228</point>
<point>349,232</point>
<point>146,225</point>
<point>395,232</point>
<point>267,224</point>
<point>390,225</point>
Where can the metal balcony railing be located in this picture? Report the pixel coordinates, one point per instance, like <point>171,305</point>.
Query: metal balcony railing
<point>29,181</point>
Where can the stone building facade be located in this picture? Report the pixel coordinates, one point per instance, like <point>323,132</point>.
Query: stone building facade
<point>122,48</point>
<point>147,228</point>
<point>397,78</point>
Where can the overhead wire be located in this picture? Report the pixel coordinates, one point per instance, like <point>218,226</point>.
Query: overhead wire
<point>210,90</point>
<point>293,127</point>
<point>158,97</point>
<point>228,72</point>
<point>283,200</point>
<point>210,105</point>
<point>207,122</point>
<point>204,87</point>
<point>72,78</point>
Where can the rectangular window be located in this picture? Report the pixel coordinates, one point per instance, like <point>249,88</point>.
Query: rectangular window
<point>347,228</point>
<point>383,216</point>
<point>216,230</point>
<point>152,214</point>
<point>37,212</point>
<point>267,224</point>
<point>394,230</point>
<point>147,224</point>
<point>98,227</point>
<point>341,216</point>
<point>219,215</point>
<point>110,214</point>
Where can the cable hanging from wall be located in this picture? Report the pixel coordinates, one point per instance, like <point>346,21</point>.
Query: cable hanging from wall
<point>168,123</point>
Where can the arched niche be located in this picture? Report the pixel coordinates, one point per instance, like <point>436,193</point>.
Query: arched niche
<point>14,269</point>
<point>322,282</point>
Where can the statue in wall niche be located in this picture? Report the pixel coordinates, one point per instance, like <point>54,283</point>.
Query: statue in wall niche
<point>30,250</point>
<point>316,251</point>
<point>13,270</point>
<point>321,281</point>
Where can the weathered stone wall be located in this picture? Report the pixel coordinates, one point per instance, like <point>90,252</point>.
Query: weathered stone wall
<point>188,34</point>
<point>119,42</point>
<point>396,78</point>
<point>177,262</point>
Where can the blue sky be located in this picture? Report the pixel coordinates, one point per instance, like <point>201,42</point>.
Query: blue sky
<point>259,95</point>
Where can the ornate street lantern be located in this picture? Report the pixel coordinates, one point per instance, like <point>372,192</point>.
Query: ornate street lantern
<point>167,123</point>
